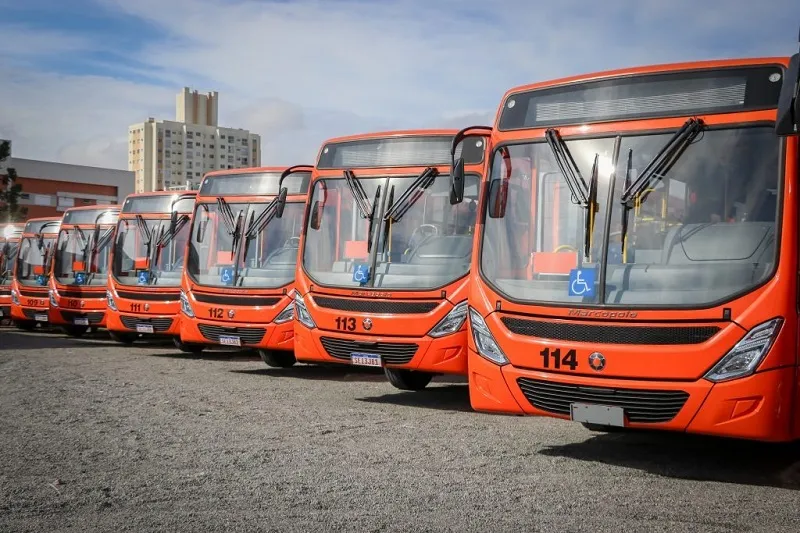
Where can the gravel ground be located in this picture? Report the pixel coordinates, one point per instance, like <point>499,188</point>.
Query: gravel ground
<point>94,436</point>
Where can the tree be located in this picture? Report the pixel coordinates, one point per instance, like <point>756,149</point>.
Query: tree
<point>10,210</point>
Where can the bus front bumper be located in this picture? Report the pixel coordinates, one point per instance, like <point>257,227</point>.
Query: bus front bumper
<point>757,407</point>
<point>260,336</point>
<point>151,325</point>
<point>443,355</point>
<point>27,313</point>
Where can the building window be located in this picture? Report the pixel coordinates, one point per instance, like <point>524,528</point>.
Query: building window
<point>189,144</point>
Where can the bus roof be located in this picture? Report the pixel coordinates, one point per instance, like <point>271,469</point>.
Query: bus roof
<point>243,182</point>
<point>159,202</point>
<point>363,150</point>
<point>720,86</point>
<point>34,225</point>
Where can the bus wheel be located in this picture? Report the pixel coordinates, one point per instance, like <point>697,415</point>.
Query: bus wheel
<point>75,331</point>
<point>408,379</point>
<point>187,347</point>
<point>27,325</point>
<point>122,338</point>
<point>277,359</point>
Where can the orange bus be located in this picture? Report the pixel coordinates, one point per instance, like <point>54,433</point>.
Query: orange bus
<point>382,272</point>
<point>9,244</point>
<point>79,274</point>
<point>29,299</point>
<point>146,265</point>
<point>239,275</point>
<point>637,257</point>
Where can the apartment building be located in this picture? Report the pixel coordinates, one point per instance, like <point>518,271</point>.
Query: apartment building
<point>167,154</point>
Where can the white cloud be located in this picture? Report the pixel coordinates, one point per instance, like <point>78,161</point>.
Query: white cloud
<point>300,72</point>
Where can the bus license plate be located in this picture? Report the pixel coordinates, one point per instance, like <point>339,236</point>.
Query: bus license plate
<point>230,341</point>
<point>81,321</point>
<point>40,318</point>
<point>602,415</point>
<point>365,359</point>
<point>144,328</point>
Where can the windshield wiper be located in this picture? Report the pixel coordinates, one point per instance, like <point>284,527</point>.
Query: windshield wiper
<point>359,194</point>
<point>372,218</point>
<point>411,195</point>
<point>656,170</point>
<point>388,227</point>
<point>581,194</point>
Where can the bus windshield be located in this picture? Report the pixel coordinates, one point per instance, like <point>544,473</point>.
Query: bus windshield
<point>33,260</point>
<point>425,245</point>
<point>266,258</point>
<point>7,253</point>
<point>79,259</point>
<point>160,263</point>
<point>703,231</point>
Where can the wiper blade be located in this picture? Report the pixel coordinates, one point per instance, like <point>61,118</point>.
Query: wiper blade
<point>591,210</point>
<point>663,161</point>
<point>372,219</point>
<point>411,195</point>
<point>167,237</point>
<point>655,170</point>
<point>387,227</point>
<point>570,171</point>
<point>227,215</point>
<point>359,194</point>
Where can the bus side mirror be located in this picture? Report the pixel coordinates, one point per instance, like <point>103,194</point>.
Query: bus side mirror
<point>281,202</point>
<point>498,196</point>
<point>315,221</point>
<point>457,182</point>
<point>788,120</point>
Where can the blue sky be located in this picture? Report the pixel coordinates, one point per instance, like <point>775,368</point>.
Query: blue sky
<point>75,74</point>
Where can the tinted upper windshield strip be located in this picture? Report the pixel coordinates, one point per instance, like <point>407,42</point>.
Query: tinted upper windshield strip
<point>670,94</point>
<point>407,151</point>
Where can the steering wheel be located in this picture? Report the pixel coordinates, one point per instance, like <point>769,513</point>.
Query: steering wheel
<point>426,230</point>
<point>565,247</point>
<point>292,242</point>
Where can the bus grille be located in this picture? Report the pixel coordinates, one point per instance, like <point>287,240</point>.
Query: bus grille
<point>605,334</point>
<point>4,292</point>
<point>640,405</point>
<point>246,335</point>
<point>86,294</point>
<point>94,317</point>
<point>41,293</point>
<point>228,299</point>
<point>392,353</point>
<point>375,306</point>
<point>150,296</point>
<point>32,313</point>
<point>159,324</point>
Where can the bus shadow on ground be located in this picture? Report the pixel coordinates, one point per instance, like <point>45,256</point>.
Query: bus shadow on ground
<point>691,457</point>
<point>207,355</point>
<point>446,397</point>
<point>319,372</point>
<point>46,340</point>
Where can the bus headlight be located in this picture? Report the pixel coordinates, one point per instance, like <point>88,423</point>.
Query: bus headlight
<point>451,323</point>
<point>484,342</point>
<point>110,301</point>
<point>14,297</point>
<point>186,307</point>
<point>286,315</point>
<point>743,359</point>
<point>301,312</point>
<point>53,299</point>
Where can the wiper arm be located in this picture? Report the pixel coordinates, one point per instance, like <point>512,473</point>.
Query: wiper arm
<point>663,161</point>
<point>388,226</point>
<point>227,215</point>
<point>167,236</point>
<point>411,195</point>
<point>570,171</point>
<point>655,170</point>
<point>591,209</point>
<point>372,218</point>
<point>359,194</point>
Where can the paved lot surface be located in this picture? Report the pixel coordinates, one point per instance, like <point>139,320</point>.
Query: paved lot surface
<point>94,436</point>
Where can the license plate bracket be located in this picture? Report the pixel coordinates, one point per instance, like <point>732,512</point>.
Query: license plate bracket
<point>81,321</point>
<point>602,415</point>
<point>365,359</point>
<point>144,328</point>
<point>40,318</point>
<point>230,340</point>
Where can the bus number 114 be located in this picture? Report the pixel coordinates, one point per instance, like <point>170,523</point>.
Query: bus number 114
<point>569,359</point>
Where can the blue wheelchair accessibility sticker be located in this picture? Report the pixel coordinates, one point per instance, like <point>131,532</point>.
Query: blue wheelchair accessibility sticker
<point>361,273</point>
<point>226,275</point>
<point>40,279</point>
<point>581,282</point>
<point>80,278</point>
<point>144,277</point>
